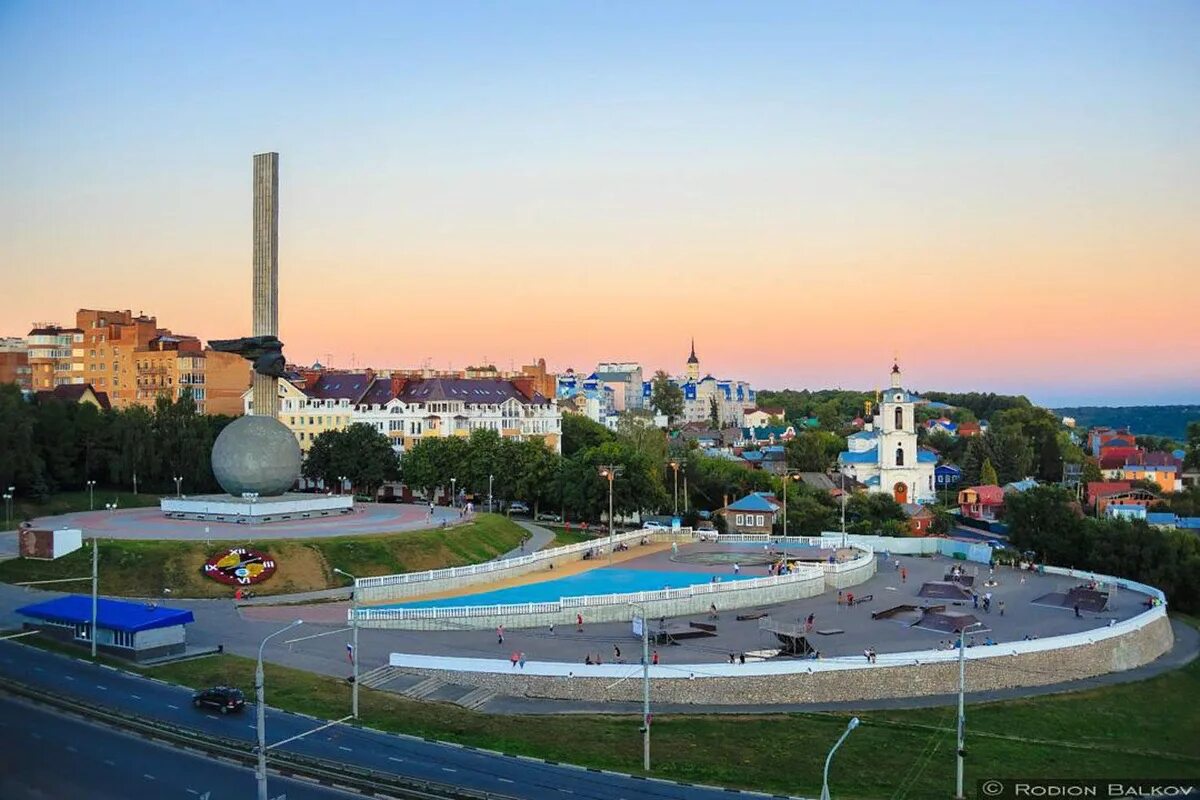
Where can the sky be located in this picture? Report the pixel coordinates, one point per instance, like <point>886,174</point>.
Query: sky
<point>1003,195</point>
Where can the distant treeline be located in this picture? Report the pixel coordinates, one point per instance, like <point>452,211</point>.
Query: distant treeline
<point>1169,421</point>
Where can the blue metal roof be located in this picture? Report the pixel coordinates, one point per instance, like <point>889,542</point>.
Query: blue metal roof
<point>944,469</point>
<point>1160,518</point>
<point>752,455</point>
<point>115,615</point>
<point>926,456</point>
<point>866,457</point>
<point>872,481</point>
<point>752,502</point>
<point>865,435</point>
<point>1190,523</point>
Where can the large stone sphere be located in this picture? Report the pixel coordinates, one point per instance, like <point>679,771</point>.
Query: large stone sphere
<point>256,455</point>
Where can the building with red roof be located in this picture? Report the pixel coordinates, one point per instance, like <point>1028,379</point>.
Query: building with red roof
<point>984,502</point>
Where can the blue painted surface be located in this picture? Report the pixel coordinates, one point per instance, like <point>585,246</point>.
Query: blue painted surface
<point>598,581</point>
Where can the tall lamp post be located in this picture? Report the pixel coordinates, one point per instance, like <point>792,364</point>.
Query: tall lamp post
<point>262,716</point>
<point>490,493</point>
<point>353,639</point>
<point>178,485</point>
<point>341,484</point>
<point>95,590</point>
<point>962,719</point>
<point>843,509</point>
<point>829,758</point>
<point>645,686</point>
<point>454,492</point>
<point>674,465</point>
<point>91,495</point>
<point>610,471</point>
<point>788,475</point>
<point>8,501</point>
<point>135,483</point>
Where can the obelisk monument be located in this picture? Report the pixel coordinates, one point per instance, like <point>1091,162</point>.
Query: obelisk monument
<point>265,300</point>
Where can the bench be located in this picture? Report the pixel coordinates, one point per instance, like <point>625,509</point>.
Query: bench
<point>866,598</point>
<point>753,615</point>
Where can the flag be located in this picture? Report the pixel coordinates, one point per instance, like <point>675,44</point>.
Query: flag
<point>350,652</point>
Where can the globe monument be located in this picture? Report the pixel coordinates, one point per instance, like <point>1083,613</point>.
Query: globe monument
<point>256,459</point>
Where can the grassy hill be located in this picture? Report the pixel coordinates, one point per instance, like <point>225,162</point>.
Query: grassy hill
<point>1170,421</point>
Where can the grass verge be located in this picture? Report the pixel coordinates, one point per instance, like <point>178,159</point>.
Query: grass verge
<point>70,502</point>
<point>1149,729</point>
<point>131,568</point>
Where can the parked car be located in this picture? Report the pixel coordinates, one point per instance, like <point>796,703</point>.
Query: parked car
<point>654,525</point>
<point>223,698</point>
<point>546,516</point>
<point>517,507</point>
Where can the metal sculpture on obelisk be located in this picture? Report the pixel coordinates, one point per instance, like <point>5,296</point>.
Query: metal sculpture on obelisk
<point>257,454</point>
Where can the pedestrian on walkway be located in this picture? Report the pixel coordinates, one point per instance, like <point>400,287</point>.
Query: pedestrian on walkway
<point>1077,610</point>
<point>904,574</point>
<point>522,660</point>
<point>736,568</point>
<point>499,634</point>
<point>616,653</point>
<point>654,658</point>
<point>579,623</point>
<point>551,628</point>
<point>897,565</point>
<point>514,657</point>
<point>1000,603</point>
<point>975,599</point>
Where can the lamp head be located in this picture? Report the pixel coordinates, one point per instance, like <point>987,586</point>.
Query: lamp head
<point>853,723</point>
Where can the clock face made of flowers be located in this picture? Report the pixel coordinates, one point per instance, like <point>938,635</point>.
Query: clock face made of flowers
<point>240,566</point>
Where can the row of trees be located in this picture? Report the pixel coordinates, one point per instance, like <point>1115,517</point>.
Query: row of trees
<point>50,445</point>
<point>1047,521</point>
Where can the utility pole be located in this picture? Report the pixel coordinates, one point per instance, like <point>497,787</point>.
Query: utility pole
<point>490,493</point>
<point>610,471</point>
<point>95,588</point>
<point>962,719</point>
<point>353,639</point>
<point>645,687</point>
<point>787,478</point>
<point>674,465</point>
<point>843,509</point>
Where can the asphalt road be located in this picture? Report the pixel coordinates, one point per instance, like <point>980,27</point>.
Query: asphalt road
<point>50,755</point>
<point>507,775</point>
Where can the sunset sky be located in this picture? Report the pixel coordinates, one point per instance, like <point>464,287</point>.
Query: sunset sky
<point>1007,195</point>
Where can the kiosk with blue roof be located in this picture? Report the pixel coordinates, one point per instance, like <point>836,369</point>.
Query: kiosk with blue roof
<point>139,631</point>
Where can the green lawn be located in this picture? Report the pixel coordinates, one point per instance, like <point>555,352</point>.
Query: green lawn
<point>67,502</point>
<point>131,568</point>
<point>563,537</point>
<point>1139,730</point>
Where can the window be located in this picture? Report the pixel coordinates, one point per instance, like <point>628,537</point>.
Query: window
<point>899,456</point>
<point>930,481</point>
<point>123,638</point>
<point>740,519</point>
<point>899,419</point>
<point>759,521</point>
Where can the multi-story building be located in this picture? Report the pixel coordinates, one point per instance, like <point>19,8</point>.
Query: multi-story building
<point>729,399</point>
<point>104,356</point>
<point>14,362</point>
<point>50,356</point>
<point>170,365</point>
<point>624,379</point>
<point>407,410</point>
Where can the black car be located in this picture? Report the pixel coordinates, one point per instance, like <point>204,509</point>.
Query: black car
<point>225,698</point>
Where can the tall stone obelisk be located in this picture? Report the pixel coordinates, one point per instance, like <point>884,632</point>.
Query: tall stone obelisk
<point>265,302</point>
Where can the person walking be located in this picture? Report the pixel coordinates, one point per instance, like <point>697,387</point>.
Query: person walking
<point>654,658</point>
<point>616,653</point>
<point>551,628</point>
<point>579,623</point>
<point>1000,604</point>
<point>736,568</point>
<point>514,657</point>
<point>522,660</point>
<point>904,574</point>
<point>499,634</point>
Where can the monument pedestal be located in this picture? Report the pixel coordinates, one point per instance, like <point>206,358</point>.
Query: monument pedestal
<point>281,508</point>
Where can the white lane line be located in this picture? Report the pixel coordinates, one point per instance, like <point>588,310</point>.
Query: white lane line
<point>38,669</point>
<point>36,735</point>
<point>504,780</point>
<point>397,760</point>
<point>72,748</point>
<point>102,688</point>
<point>192,791</point>
<point>347,749</point>
<point>69,677</point>
<point>171,706</point>
<point>135,697</point>
<point>110,763</point>
<point>252,727</point>
<point>566,791</point>
<point>449,769</point>
<point>147,776</point>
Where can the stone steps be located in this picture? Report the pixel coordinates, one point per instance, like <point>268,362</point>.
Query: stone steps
<point>375,678</point>
<point>423,689</point>
<point>476,698</point>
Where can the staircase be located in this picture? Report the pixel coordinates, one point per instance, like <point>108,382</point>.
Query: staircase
<point>373,679</point>
<point>476,698</point>
<point>419,691</point>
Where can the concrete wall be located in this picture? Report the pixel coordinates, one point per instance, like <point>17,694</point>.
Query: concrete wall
<point>1054,660</point>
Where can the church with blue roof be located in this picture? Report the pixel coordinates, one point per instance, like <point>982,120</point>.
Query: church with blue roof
<point>884,455</point>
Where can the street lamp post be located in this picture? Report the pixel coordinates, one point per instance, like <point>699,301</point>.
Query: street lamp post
<point>829,758</point>
<point>962,719</point>
<point>454,492</point>
<point>262,716</point>
<point>675,467</point>
<point>353,639</point>
<point>110,507</point>
<point>610,471</point>
<point>178,485</point>
<point>843,509</point>
<point>91,495</point>
<point>787,478</point>
<point>341,484</point>
<point>490,494</point>
<point>645,686</point>
<point>8,499</point>
<point>95,589</point>
<point>135,483</point>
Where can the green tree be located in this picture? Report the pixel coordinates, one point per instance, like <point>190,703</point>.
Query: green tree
<point>714,413</point>
<point>580,433</point>
<point>21,464</point>
<point>358,452</point>
<point>807,452</point>
<point>1192,459</point>
<point>1091,472</point>
<point>666,397</point>
<point>987,474</point>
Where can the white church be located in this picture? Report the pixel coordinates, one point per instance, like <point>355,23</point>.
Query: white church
<point>884,455</point>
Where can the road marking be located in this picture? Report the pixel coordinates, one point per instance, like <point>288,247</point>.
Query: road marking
<point>566,791</point>
<point>102,688</point>
<point>135,697</point>
<point>448,769</point>
<point>343,747</point>
<point>38,669</point>
<point>110,763</point>
<point>72,748</point>
<point>252,727</point>
<point>36,735</point>
<point>192,791</point>
<point>397,760</point>
<point>68,677</point>
<point>504,780</point>
<point>171,706</point>
<point>147,776</point>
